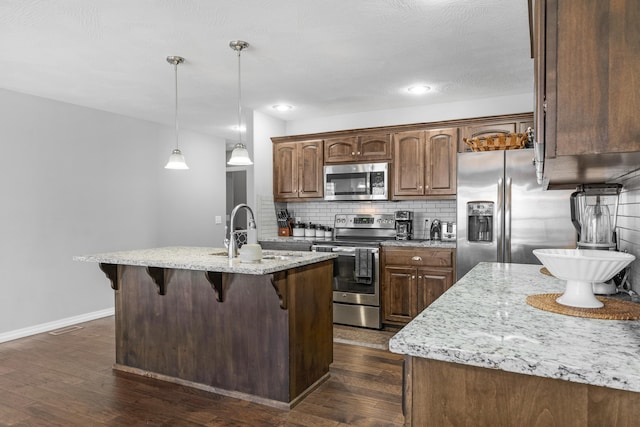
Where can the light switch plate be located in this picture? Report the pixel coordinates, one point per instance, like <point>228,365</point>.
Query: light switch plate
<point>218,219</point>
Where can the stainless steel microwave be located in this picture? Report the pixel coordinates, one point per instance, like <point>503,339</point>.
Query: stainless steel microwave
<point>364,181</point>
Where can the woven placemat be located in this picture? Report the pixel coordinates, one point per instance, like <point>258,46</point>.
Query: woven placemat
<point>546,272</point>
<point>613,309</point>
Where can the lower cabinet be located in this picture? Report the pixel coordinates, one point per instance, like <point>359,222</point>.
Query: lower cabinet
<point>412,278</point>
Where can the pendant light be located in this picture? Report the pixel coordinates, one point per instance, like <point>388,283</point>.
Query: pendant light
<point>176,160</point>
<point>239,155</point>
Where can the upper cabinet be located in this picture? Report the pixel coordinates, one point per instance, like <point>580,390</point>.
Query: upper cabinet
<point>587,57</point>
<point>424,163</point>
<point>297,170</point>
<point>422,156</point>
<point>361,148</point>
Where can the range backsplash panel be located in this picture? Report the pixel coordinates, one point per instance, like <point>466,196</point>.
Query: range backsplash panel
<point>323,212</point>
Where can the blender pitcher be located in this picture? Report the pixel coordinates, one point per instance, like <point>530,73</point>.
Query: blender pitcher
<point>596,232</point>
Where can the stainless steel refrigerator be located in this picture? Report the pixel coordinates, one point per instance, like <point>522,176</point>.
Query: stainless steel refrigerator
<point>503,214</point>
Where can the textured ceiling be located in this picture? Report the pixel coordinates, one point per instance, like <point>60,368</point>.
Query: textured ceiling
<point>324,57</point>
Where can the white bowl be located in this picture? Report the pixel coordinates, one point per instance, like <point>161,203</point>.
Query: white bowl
<point>580,268</point>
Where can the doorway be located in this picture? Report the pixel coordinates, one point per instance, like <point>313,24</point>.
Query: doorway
<point>236,193</point>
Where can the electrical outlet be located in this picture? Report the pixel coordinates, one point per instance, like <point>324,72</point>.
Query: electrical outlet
<point>218,219</point>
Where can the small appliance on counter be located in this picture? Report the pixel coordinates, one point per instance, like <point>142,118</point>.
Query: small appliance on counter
<point>404,225</point>
<point>594,223</point>
<point>448,231</point>
<point>435,232</point>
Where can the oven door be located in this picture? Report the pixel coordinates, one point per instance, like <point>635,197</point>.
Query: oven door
<point>356,276</point>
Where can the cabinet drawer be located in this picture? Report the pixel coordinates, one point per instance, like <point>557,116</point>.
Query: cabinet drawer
<point>420,257</point>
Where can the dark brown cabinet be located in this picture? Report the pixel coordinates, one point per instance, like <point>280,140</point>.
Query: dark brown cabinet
<point>424,163</point>
<point>412,279</point>
<point>297,170</point>
<point>360,148</point>
<point>587,57</point>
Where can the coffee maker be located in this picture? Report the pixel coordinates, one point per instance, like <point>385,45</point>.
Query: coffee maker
<point>435,233</point>
<point>404,225</point>
<point>592,217</point>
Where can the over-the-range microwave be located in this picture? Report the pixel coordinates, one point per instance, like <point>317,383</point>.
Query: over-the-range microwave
<point>363,181</point>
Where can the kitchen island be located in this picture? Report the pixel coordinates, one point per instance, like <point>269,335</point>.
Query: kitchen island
<point>256,331</point>
<point>480,355</point>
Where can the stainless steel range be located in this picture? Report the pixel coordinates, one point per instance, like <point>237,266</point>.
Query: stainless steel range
<point>356,281</point>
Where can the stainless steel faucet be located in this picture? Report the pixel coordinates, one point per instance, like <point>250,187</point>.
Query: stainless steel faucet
<point>231,241</point>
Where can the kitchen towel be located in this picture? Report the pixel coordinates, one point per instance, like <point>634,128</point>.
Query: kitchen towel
<point>364,266</point>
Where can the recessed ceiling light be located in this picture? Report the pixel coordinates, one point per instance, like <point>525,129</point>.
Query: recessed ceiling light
<point>418,89</point>
<point>282,107</point>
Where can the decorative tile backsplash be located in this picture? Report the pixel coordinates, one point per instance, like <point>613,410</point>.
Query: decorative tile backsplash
<point>323,213</point>
<point>629,222</point>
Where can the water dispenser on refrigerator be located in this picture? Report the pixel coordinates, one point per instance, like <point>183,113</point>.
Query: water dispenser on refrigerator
<point>480,221</point>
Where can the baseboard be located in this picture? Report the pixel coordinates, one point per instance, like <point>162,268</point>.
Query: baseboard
<point>51,326</point>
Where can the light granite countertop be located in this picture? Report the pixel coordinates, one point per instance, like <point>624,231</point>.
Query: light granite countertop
<point>208,259</point>
<point>421,243</point>
<point>484,321</point>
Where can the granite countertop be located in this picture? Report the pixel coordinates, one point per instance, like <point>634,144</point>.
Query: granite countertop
<point>484,321</point>
<point>421,243</point>
<point>208,259</point>
<point>291,239</point>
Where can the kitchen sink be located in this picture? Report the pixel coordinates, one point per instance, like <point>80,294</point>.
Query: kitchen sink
<point>272,255</point>
<point>280,257</point>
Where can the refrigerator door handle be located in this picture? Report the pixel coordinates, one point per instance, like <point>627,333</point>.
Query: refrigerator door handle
<point>507,221</point>
<point>500,220</point>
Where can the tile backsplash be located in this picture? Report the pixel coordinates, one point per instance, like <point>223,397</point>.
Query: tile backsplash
<point>629,222</point>
<point>323,213</point>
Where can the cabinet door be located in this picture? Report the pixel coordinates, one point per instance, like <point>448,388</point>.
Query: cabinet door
<point>440,173</point>
<point>374,147</point>
<point>593,90</point>
<point>285,170</point>
<point>310,173</point>
<point>399,293</point>
<point>431,284</point>
<point>408,163</point>
<point>337,150</point>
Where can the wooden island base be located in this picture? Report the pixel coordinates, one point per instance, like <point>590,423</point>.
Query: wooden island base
<point>450,394</point>
<point>264,338</point>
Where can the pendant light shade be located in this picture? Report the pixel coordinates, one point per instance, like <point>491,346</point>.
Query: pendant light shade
<point>239,155</point>
<point>176,160</point>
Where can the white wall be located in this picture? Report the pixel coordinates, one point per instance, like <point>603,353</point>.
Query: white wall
<point>77,181</point>
<point>428,113</point>
<point>264,127</point>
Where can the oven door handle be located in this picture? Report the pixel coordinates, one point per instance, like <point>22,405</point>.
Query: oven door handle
<point>346,251</point>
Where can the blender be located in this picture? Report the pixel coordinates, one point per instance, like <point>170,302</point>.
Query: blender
<point>595,223</point>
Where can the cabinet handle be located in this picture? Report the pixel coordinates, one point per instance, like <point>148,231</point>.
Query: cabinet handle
<point>426,186</point>
<point>416,258</point>
<point>419,277</point>
<point>358,153</point>
<point>353,153</point>
<point>413,277</point>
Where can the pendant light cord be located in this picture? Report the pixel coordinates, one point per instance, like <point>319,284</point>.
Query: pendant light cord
<point>239,101</point>
<point>175,65</point>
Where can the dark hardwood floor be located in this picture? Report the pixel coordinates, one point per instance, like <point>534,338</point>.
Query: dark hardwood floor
<point>67,380</point>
